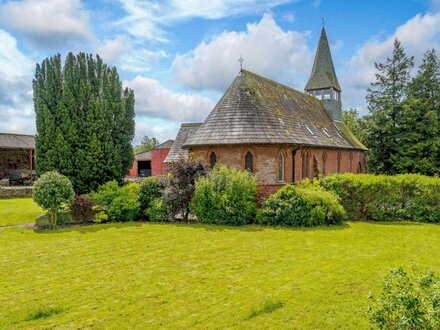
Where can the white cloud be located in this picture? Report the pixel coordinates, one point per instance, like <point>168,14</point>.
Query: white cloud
<point>160,129</point>
<point>147,19</point>
<point>16,111</point>
<point>156,101</point>
<point>417,35</point>
<point>120,52</point>
<point>265,47</point>
<point>48,22</point>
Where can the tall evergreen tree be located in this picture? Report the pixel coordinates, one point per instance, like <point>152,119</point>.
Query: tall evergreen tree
<point>356,123</point>
<point>85,120</point>
<point>420,147</point>
<point>386,99</point>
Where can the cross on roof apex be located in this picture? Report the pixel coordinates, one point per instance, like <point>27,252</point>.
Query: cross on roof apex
<point>241,59</point>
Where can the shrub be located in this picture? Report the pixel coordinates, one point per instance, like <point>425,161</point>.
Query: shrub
<point>150,189</point>
<point>118,203</point>
<point>387,198</point>
<point>226,196</point>
<point>54,193</point>
<point>82,209</point>
<point>407,302</point>
<point>158,210</point>
<point>180,189</point>
<point>304,205</point>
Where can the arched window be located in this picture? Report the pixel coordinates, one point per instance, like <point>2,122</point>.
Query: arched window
<point>308,166</point>
<point>316,173</point>
<point>249,162</point>
<point>339,162</point>
<point>293,165</point>
<point>281,167</point>
<point>303,164</point>
<point>213,159</point>
<point>324,163</point>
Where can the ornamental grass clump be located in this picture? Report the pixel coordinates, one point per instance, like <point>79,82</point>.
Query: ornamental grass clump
<point>304,205</point>
<point>54,193</point>
<point>227,196</point>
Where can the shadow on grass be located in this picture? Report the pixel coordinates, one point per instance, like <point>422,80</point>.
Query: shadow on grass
<point>395,223</point>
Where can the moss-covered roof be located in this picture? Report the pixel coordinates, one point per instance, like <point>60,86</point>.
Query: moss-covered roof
<point>256,110</point>
<point>323,72</point>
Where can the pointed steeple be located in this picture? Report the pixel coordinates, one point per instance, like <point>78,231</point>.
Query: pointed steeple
<point>323,72</point>
<point>323,82</point>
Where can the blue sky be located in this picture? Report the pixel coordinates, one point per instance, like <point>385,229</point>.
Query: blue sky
<point>180,55</point>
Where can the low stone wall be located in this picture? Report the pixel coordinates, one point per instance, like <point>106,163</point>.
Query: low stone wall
<point>15,192</point>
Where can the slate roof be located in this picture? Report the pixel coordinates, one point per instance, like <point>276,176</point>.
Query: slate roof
<point>323,72</point>
<point>256,110</point>
<point>176,152</point>
<point>13,141</point>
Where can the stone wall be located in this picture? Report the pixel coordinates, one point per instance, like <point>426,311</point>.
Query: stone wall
<point>309,162</point>
<point>15,192</point>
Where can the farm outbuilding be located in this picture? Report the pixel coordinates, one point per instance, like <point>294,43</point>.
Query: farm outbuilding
<point>151,162</point>
<point>17,156</point>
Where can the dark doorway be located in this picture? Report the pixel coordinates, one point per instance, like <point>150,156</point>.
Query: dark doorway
<point>144,168</point>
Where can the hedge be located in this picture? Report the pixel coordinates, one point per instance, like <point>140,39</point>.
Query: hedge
<point>387,198</point>
<point>304,205</point>
<point>15,192</point>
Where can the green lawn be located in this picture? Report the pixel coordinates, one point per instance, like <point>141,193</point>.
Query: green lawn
<point>141,275</point>
<point>18,211</point>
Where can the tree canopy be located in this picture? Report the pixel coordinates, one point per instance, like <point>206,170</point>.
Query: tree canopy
<point>147,143</point>
<point>84,119</point>
<point>402,129</point>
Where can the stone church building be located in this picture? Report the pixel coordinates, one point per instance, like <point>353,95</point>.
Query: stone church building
<point>280,134</point>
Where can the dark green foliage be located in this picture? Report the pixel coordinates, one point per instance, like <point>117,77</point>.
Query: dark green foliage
<point>407,302</point>
<point>84,119</point>
<point>150,189</point>
<point>180,189</point>
<point>305,205</point>
<point>387,198</point>
<point>386,99</point>
<point>54,193</point>
<point>419,146</point>
<point>356,124</point>
<point>82,209</point>
<point>403,127</point>
<point>117,203</point>
<point>146,144</point>
<point>267,308</point>
<point>43,313</point>
<point>226,196</point>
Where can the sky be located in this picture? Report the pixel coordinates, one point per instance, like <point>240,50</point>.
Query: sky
<point>180,56</point>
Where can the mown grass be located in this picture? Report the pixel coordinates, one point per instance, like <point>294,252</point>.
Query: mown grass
<point>152,276</point>
<point>18,211</point>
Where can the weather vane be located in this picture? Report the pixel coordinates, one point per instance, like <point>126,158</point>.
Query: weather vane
<point>241,59</point>
<point>323,22</point>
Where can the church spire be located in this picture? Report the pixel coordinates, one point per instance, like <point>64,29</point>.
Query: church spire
<point>323,82</point>
<point>323,72</point>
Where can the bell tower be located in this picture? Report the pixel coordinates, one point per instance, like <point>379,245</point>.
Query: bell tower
<point>323,82</point>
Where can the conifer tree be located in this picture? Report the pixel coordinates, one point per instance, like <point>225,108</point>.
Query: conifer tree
<point>386,99</point>
<point>85,120</point>
<point>420,144</point>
